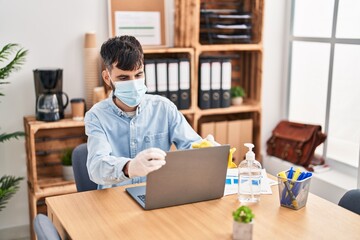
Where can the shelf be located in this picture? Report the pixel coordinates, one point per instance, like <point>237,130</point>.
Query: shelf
<point>167,50</point>
<point>63,123</point>
<point>245,107</point>
<point>187,111</point>
<point>229,47</point>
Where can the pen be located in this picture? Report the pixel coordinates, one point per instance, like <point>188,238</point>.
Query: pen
<point>282,175</point>
<point>290,173</point>
<point>302,176</point>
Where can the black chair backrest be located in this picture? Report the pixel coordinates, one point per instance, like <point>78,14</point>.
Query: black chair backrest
<point>81,175</point>
<point>351,200</point>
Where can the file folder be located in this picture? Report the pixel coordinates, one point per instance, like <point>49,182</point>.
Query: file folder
<point>225,83</point>
<point>161,77</point>
<point>150,76</point>
<point>173,81</point>
<point>215,83</point>
<point>204,90</point>
<point>184,84</point>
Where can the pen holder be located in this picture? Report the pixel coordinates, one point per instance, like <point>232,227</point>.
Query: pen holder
<point>293,194</point>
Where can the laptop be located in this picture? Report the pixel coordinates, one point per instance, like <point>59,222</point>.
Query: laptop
<point>189,176</point>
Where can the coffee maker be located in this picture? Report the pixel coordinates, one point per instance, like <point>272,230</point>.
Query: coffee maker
<point>49,95</point>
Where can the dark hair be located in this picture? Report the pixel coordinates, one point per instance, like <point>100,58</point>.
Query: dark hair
<point>125,51</point>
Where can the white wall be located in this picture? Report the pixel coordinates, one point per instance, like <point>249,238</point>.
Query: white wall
<point>53,32</point>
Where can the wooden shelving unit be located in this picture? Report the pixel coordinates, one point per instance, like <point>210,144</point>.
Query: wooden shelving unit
<point>246,68</point>
<point>45,142</point>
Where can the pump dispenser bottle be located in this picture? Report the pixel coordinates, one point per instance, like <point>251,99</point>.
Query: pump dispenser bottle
<point>249,178</point>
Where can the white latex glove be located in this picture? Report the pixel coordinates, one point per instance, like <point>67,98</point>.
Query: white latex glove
<point>211,139</point>
<point>146,161</point>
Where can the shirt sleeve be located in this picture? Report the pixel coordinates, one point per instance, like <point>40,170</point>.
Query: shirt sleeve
<point>103,168</point>
<point>181,133</point>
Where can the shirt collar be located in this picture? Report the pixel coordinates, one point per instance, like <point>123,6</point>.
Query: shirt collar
<point>120,112</point>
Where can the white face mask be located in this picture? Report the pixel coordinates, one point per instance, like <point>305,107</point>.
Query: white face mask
<point>130,92</point>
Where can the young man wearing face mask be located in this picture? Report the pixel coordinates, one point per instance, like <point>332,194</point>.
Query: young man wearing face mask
<point>129,132</point>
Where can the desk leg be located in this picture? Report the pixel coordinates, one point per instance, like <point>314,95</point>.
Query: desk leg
<point>57,223</point>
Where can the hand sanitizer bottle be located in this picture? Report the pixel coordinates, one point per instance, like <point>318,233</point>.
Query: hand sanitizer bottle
<point>249,178</point>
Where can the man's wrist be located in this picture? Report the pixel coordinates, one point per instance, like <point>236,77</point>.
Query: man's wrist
<point>126,169</point>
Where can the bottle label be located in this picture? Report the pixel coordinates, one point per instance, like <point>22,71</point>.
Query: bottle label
<point>245,185</point>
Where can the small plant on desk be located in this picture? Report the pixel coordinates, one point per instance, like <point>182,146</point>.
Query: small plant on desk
<point>243,223</point>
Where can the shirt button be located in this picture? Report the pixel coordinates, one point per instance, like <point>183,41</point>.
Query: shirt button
<point>147,139</point>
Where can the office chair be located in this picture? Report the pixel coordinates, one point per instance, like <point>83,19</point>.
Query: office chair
<point>351,200</point>
<point>44,228</point>
<point>81,175</point>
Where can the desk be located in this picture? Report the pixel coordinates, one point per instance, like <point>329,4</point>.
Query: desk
<point>112,214</point>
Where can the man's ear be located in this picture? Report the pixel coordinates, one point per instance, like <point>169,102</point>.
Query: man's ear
<point>106,78</point>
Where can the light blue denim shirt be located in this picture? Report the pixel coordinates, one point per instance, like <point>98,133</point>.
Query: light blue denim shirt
<point>114,138</point>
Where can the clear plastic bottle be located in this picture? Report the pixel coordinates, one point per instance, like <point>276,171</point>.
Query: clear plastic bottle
<point>249,178</point>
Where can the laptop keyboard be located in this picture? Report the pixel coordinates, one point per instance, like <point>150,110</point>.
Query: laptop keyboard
<point>142,198</point>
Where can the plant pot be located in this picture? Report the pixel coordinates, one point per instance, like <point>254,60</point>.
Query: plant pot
<point>68,173</point>
<point>237,101</point>
<point>242,231</point>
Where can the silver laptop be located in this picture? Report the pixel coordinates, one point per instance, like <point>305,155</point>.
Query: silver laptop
<point>188,176</point>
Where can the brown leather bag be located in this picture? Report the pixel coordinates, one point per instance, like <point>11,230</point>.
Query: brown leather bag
<point>295,142</point>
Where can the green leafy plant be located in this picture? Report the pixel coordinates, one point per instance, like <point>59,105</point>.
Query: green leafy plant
<point>8,187</point>
<point>66,157</point>
<point>9,184</point>
<point>243,214</point>
<point>237,91</point>
<point>18,54</point>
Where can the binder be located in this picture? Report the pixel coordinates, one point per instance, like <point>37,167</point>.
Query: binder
<point>161,77</point>
<point>173,81</point>
<point>150,76</point>
<point>215,83</point>
<point>184,84</point>
<point>225,83</point>
<point>204,90</point>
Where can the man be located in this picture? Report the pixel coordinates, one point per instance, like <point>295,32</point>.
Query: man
<point>129,132</point>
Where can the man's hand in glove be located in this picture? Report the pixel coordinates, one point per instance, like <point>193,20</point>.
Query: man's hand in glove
<point>145,162</point>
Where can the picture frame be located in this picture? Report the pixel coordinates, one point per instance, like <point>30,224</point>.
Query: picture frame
<point>143,19</point>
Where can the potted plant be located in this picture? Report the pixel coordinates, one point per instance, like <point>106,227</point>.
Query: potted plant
<point>66,162</point>
<point>9,184</point>
<point>237,95</point>
<point>243,223</point>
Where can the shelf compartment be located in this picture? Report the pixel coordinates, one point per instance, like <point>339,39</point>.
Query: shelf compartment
<point>248,120</point>
<point>162,82</point>
<point>231,13</point>
<point>45,143</point>
<point>246,72</point>
<point>223,130</point>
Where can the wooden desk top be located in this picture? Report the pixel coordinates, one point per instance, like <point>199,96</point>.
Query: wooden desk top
<point>112,214</point>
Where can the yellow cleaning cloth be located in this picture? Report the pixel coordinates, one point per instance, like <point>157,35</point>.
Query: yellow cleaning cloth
<point>205,143</point>
<point>231,164</point>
